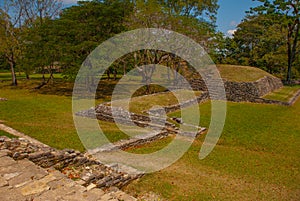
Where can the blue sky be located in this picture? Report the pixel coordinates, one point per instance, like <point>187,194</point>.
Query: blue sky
<point>231,13</point>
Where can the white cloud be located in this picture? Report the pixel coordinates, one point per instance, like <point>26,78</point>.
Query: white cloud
<point>71,1</point>
<point>233,23</point>
<point>231,32</point>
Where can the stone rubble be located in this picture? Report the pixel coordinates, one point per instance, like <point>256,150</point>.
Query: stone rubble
<point>30,171</point>
<point>3,99</point>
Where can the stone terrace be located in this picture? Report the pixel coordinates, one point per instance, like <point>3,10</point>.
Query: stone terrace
<point>22,179</point>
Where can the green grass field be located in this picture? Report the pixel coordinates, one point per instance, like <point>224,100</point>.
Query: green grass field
<point>257,156</point>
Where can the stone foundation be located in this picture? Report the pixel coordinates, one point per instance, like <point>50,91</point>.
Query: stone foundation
<point>84,169</point>
<point>245,91</point>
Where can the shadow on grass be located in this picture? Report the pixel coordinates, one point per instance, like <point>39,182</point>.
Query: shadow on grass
<point>59,86</point>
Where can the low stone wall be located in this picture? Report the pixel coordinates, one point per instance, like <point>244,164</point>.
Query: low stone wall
<point>132,142</point>
<point>267,84</point>
<point>245,91</point>
<point>104,112</point>
<point>74,164</point>
<point>277,102</point>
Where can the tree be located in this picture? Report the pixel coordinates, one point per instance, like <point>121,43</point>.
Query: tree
<point>194,19</point>
<point>81,28</point>
<point>10,44</point>
<point>36,53</point>
<point>289,11</point>
<point>260,39</point>
<point>16,17</point>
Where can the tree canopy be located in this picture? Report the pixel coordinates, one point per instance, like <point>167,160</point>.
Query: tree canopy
<point>268,38</point>
<point>40,36</point>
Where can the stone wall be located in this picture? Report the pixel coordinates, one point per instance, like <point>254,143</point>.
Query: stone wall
<point>277,102</point>
<point>154,119</point>
<point>245,91</point>
<point>104,112</point>
<point>74,164</point>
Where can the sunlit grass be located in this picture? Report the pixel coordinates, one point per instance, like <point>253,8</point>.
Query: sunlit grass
<point>142,104</point>
<point>257,156</point>
<point>284,94</point>
<point>241,73</point>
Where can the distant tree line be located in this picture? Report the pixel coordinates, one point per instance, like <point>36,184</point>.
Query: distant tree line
<point>41,36</point>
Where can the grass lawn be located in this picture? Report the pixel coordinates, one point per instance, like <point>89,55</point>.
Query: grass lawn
<point>284,94</point>
<point>257,157</point>
<point>141,104</point>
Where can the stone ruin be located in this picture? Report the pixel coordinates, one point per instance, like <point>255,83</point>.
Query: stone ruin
<point>244,91</point>
<point>76,165</point>
<point>235,91</point>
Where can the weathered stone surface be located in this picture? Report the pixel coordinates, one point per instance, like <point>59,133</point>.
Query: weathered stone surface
<point>3,153</point>
<point>243,91</point>
<point>9,194</point>
<point>38,186</point>
<point>9,176</point>
<point>30,182</point>
<point>34,188</point>
<point>90,187</point>
<point>34,173</point>
<point>3,182</point>
<point>7,161</point>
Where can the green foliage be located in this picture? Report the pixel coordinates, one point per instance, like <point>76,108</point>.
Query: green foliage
<point>186,17</point>
<point>267,38</point>
<point>82,28</point>
<point>284,28</point>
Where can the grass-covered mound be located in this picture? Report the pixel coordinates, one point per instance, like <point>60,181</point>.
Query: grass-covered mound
<point>236,73</point>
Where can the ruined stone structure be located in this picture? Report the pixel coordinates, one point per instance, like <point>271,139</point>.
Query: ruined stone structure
<point>244,91</point>
<point>74,164</point>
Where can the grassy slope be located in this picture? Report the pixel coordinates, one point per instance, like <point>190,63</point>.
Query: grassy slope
<point>47,118</point>
<point>245,73</point>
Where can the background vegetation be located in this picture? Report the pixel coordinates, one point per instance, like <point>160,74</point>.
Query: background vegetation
<point>40,36</point>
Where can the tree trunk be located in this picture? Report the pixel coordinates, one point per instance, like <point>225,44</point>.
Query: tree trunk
<point>13,74</point>
<point>292,47</point>
<point>115,74</point>
<point>124,69</point>
<point>289,52</point>
<point>108,74</point>
<point>27,76</point>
